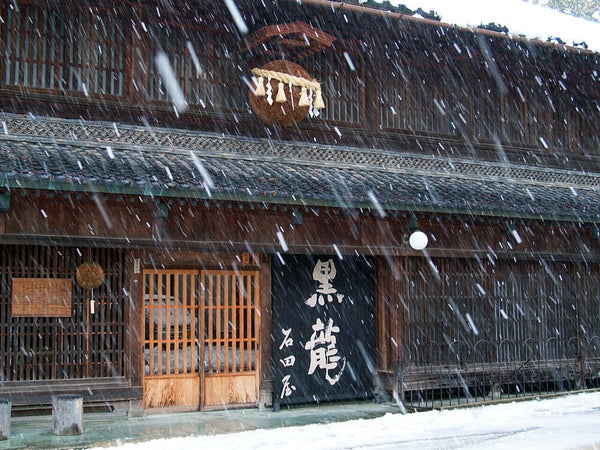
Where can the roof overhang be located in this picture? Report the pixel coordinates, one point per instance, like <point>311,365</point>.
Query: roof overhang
<point>190,165</point>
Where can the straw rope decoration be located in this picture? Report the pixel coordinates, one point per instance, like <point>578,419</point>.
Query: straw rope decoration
<point>308,88</point>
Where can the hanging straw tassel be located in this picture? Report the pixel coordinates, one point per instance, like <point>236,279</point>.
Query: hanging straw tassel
<point>319,104</point>
<point>280,94</point>
<point>260,87</point>
<point>303,97</point>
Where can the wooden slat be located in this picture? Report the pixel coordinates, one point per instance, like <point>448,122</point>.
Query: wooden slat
<point>239,329</point>
<point>211,322</point>
<point>180,322</point>
<point>168,325</point>
<point>217,299</point>
<point>250,312</point>
<point>196,338</point>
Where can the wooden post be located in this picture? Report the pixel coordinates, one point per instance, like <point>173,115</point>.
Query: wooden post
<point>5,406</point>
<point>67,414</point>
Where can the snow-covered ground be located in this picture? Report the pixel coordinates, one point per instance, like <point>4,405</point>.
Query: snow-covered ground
<point>567,422</point>
<point>520,17</point>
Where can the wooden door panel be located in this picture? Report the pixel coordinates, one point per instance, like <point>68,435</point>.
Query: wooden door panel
<point>234,389</point>
<point>182,390</point>
<point>172,361</point>
<point>201,331</point>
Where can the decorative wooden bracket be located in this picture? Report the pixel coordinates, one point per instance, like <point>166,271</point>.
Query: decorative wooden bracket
<point>297,40</point>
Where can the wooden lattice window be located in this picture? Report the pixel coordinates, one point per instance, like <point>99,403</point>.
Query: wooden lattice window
<point>342,78</point>
<point>63,49</point>
<point>89,343</point>
<point>417,98</point>
<point>209,74</point>
<point>505,311</point>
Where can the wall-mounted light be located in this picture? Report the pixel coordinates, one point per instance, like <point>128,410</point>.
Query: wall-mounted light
<point>417,239</point>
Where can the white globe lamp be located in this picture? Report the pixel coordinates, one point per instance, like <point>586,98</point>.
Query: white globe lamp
<point>418,240</point>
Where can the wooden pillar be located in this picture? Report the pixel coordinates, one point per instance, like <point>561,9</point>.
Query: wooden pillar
<point>388,313</point>
<point>266,331</point>
<point>134,317</point>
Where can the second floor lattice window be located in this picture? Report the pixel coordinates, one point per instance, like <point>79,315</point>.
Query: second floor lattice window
<point>342,77</point>
<point>209,74</point>
<point>64,50</point>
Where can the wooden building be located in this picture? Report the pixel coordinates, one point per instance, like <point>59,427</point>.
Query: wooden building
<point>175,233</point>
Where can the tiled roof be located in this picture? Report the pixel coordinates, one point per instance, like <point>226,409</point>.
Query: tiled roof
<point>101,157</point>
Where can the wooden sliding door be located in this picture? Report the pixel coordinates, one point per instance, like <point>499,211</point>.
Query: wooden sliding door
<point>172,323</point>
<point>231,321</point>
<point>201,338</point>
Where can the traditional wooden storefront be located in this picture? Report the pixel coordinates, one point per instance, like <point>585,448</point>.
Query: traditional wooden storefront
<point>189,329</point>
<point>251,261</point>
<point>493,328</point>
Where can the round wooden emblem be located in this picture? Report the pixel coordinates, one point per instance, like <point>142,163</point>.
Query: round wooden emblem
<point>274,112</point>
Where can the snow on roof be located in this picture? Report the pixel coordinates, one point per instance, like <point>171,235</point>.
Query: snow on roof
<point>520,17</point>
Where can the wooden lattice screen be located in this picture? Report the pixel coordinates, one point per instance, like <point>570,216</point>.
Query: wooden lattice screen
<point>171,322</point>
<point>341,76</point>
<point>478,311</point>
<point>231,301</point>
<point>209,73</point>
<point>458,100</point>
<point>57,49</point>
<point>84,345</point>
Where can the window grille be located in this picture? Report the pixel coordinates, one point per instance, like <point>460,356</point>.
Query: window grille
<point>84,345</point>
<point>210,76</point>
<point>75,50</point>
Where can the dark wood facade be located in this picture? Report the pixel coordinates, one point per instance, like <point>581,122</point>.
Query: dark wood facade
<point>474,90</point>
<point>506,293</point>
